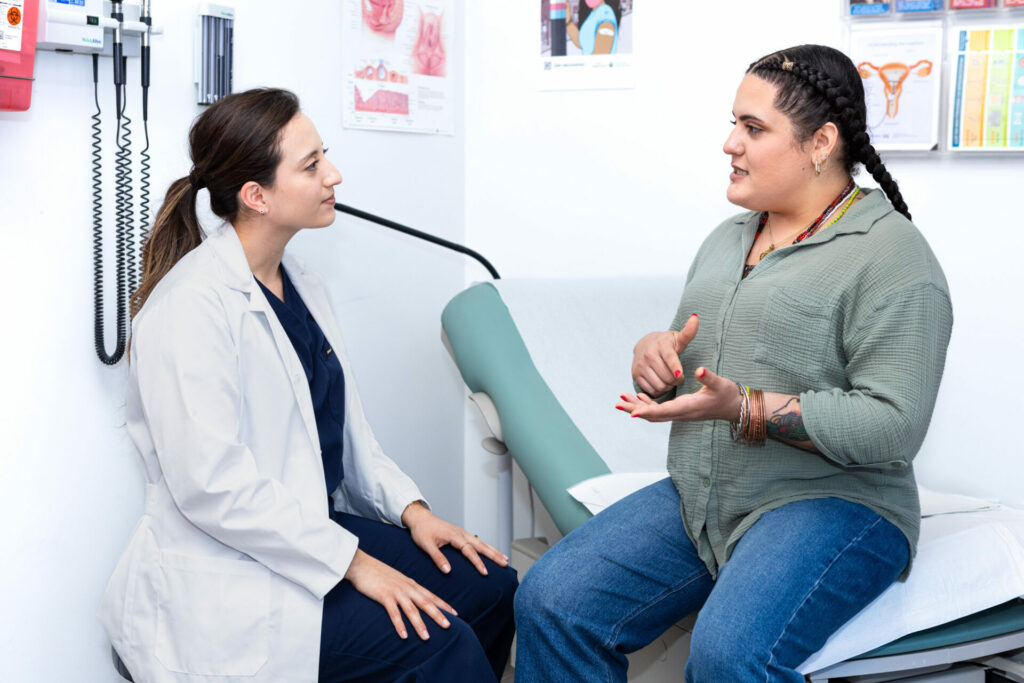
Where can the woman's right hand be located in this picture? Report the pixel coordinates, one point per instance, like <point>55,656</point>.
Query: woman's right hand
<point>397,593</point>
<point>656,366</point>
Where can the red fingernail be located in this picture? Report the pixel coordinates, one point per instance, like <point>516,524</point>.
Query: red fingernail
<point>678,372</point>
<point>624,397</point>
<point>693,315</point>
<point>633,415</point>
<point>702,372</point>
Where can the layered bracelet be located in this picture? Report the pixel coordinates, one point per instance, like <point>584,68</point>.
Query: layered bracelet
<point>752,424</point>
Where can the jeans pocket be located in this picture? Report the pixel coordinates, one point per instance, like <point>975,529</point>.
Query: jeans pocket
<point>212,615</point>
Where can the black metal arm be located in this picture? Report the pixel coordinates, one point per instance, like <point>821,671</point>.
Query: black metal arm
<point>420,234</point>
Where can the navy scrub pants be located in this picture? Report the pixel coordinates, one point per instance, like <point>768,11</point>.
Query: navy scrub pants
<point>359,643</point>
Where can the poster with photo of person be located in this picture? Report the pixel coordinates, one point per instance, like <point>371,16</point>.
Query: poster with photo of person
<point>586,44</point>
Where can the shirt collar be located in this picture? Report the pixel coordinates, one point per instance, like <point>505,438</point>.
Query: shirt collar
<point>859,218</point>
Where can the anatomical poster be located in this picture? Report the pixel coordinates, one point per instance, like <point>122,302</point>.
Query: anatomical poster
<point>586,44</point>
<point>396,65</point>
<point>900,69</point>
<point>986,109</point>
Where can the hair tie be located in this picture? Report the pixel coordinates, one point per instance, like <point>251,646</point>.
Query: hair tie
<point>195,181</point>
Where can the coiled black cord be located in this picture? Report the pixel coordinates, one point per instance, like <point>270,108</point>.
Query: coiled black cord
<point>143,191</point>
<point>125,205</point>
<point>97,245</point>
<point>144,70</point>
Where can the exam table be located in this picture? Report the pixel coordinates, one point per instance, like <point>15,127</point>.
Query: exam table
<point>545,361</point>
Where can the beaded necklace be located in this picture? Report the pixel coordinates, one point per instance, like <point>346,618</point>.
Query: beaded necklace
<point>838,207</point>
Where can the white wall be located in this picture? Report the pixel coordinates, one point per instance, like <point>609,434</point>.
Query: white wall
<point>70,487</point>
<point>606,183</point>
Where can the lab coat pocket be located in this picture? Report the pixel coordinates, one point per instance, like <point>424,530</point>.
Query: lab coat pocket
<point>212,615</point>
<point>816,359</point>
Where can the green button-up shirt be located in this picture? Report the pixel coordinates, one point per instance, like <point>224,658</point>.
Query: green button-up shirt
<point>855,320</point>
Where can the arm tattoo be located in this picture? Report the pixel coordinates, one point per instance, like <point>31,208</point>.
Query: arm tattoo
<point>787,424</point>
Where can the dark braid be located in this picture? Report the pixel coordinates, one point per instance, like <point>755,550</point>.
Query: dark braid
<point>819,84</point>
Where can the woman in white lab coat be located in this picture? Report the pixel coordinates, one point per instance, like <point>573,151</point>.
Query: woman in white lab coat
<point>278,542</point>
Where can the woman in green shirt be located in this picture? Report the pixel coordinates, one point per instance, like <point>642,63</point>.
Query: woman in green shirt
<point>816,326</point>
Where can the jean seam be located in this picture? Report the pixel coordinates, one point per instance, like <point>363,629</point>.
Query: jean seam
<point>610,641</point>
<point>810,591</point>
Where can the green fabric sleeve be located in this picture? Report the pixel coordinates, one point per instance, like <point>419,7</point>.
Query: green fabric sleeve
<point>895,359</point>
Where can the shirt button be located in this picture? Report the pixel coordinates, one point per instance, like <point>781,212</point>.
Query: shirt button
<point>705,482</point>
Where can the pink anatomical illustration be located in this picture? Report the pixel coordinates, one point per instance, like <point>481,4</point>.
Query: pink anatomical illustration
<point>382,16</point>
<point>893,75</point>
<point>379,72</point>
<point>428,56</point>
<point>383,102</point>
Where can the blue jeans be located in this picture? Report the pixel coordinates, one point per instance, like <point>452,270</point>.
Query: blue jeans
<point>621,579</point>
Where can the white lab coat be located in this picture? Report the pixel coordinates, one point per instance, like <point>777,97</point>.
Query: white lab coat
<point>225,574</point>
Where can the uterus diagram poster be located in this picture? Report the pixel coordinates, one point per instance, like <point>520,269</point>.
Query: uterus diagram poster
<point>986,108</point>
<point>397,65</point>
<point>586,44</point>
<point>900,68</point>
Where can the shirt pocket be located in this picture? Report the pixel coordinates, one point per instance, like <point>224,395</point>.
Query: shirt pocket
<point>212,615</point>
<point>799,338</point>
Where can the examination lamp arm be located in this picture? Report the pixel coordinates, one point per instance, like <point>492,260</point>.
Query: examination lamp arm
<point>419,234</point>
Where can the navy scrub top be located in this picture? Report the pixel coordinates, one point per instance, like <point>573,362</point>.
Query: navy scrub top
<point>323,372</point>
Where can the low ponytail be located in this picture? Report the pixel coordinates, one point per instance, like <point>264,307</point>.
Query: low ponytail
<point>235,141</point>
<point>175,232</point>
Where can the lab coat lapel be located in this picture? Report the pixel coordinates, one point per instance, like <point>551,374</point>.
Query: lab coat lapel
<point>238,276</point>
<point>300,385</point>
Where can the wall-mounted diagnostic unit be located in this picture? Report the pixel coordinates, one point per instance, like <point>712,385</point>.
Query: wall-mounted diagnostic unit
<point>87,26</point>
<point>215,28</point>
<point>116,30</point>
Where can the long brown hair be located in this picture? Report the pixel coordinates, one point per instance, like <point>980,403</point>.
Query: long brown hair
<point>235,141</point>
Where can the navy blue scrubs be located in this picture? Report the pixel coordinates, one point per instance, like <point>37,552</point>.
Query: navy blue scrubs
<point>358,642</point>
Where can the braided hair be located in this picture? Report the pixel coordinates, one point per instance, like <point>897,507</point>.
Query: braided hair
<point>818,84</point>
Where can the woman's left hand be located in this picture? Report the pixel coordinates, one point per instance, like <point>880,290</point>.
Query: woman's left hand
<point>431,533</point>
<point>718,399</point>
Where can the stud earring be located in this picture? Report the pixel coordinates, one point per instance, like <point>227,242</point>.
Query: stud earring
<point>263,212</point>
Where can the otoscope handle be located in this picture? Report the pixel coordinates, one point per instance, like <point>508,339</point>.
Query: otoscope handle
<point>118,48</point>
